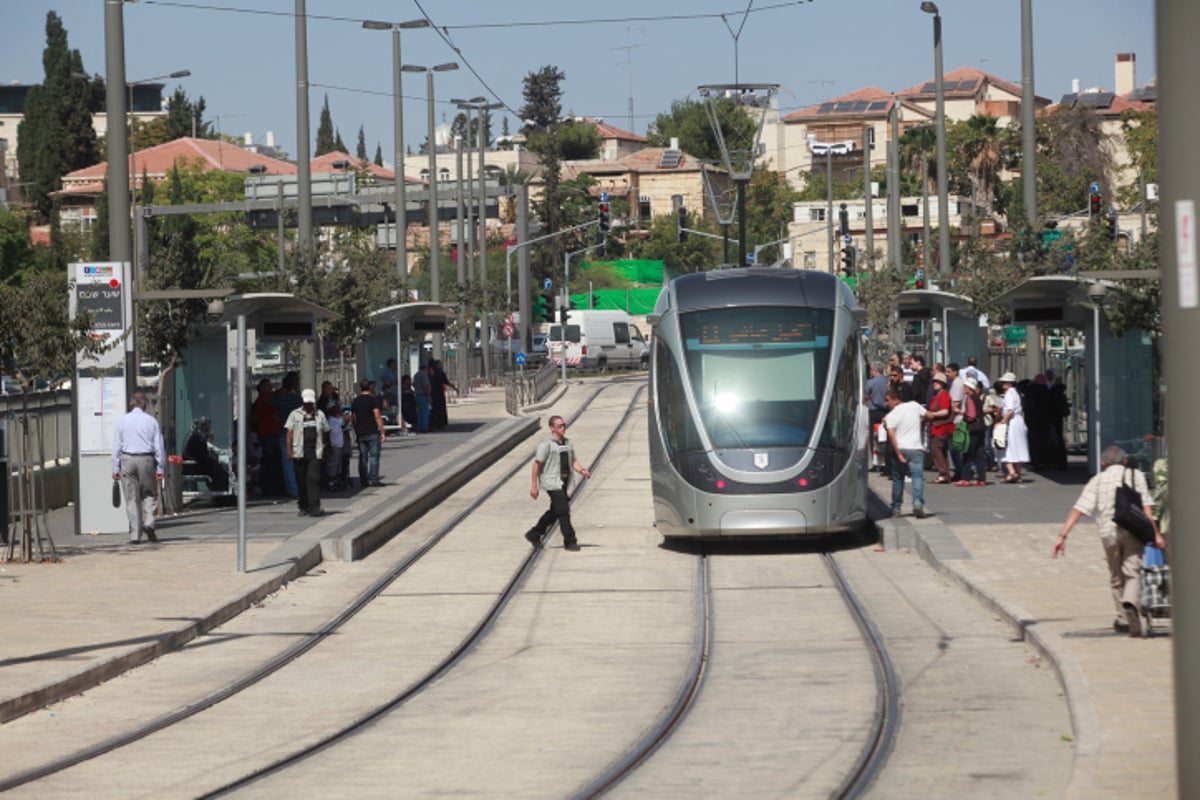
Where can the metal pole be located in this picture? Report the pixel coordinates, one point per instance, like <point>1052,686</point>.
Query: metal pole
<point>1179,113</point>
<point>482,196</point>
<point>243,406</point>
<point>895,234</point>
<point>279,223</point>
<point>398,165</point>
<point>742,185</point>
<point>925,262</point>
<point>943,200</point>
<point>566,304</point>
<point>1028,129</point>
<point>870,199</point>
<point>523,264</point>
<point>470,197</point>
<point>458,203</point>
<point>1142,192</point>
<point>120,232</point>
<point>828,205</point>
<point>304,228</point>
<point>435,240</point>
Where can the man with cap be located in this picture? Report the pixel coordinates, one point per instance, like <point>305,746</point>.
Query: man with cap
<point>307,432</point>
<point>941,427</point>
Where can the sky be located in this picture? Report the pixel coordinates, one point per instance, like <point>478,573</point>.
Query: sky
<point>241,53</point>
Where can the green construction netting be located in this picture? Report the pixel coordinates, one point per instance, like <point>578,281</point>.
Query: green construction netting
<point>638,302</point>
<point>634,271</point>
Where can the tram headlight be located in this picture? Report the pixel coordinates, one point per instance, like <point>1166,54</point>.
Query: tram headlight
<point>726,403</point>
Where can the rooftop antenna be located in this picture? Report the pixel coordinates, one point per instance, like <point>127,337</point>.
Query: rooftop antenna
<point>729,106</point>
<point>629,48</point>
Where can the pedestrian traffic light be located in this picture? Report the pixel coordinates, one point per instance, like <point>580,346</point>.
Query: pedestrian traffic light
<point>604,218</point>
<point>1094,205</point>
<point>919,281</point>
<point>849,259</point>
<point>681,223</point>
<point>1110,224</point>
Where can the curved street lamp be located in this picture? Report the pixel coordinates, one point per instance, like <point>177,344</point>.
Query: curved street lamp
<point>398,138</point>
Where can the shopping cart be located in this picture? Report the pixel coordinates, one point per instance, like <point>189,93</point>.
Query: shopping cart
<point>1155,590</point>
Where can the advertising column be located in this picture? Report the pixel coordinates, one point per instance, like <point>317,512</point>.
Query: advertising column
<point>99,392</point>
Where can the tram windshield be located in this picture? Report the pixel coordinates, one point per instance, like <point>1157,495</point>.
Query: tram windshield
<point>758,374</point>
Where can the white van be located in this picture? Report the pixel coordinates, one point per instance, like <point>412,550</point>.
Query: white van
<point>599,340</point>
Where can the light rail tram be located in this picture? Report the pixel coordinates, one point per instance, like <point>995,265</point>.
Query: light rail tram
<point>757,422</point>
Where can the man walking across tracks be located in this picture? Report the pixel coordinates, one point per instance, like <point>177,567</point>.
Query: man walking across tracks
<point>138,460</point>
<point>553,463</point>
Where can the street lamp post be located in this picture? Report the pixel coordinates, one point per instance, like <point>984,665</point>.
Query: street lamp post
<point>398,138</point>
<point>940,111</point>
<point>435,290</point>
<point>468,106</point>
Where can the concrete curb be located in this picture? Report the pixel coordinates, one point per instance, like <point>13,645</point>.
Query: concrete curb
<point>296,556</point>
<point>205,620</point>
<point>1085,726</point>
<point>437,480</point>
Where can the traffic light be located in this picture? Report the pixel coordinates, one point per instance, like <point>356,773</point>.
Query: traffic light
<point>919,282</point>
<point>1094,205</point>
<point>681,223</point>
<point>545,305</point>
<point>564,314</point>
<point>605,221</point>
<point>1110,224</point>
<point>844,220</point>
<point>849,259</point>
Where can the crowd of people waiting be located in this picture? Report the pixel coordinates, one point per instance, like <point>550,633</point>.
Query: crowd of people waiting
<point>355,421</point>
<point>966,424</point>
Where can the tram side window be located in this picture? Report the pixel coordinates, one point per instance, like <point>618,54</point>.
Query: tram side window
<point>843,400</point>
<point>678,431</point>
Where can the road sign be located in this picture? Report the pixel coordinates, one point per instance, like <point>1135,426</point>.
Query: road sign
<point>507,330</point>
<point>1095,188</point>
<point>846,238</point>
<point>521,359</point>
<point>548,284</point>
<point>604,197</point>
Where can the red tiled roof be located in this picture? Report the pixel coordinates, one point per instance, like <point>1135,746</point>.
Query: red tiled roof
<point>867,93</point>
<point>966,74</point>
<point>324,164</point>
<point>607,131</point>
<point>210,153</point>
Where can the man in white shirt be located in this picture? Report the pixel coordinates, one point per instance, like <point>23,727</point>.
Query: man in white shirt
<point>904,422</point>
<point>138,460</point>
<point>1122,550</point>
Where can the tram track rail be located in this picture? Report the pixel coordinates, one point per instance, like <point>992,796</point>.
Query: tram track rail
<point>465,646</point>
<point>880,736</point>
<point>311,640</point>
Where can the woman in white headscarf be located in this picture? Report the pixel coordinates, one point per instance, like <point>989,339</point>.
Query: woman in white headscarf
<point>1015,451</point>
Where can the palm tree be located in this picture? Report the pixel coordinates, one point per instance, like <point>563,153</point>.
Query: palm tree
<point>979,151</point>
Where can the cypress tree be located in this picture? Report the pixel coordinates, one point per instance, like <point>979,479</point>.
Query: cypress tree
<point>378,155</point>
<point>325,143</point>
<point>338,144</point>
<point>56,135</point>
<point>361,151</point>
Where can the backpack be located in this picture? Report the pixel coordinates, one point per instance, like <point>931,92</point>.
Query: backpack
<point>971,415</point>
<point>960,440</point>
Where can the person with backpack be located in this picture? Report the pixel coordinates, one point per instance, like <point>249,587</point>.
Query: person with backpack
<point>974,460</point>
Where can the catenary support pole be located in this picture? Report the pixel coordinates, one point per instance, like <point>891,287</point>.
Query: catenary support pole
<point>1178,118</point>
<point>1028,129</point>
<point>869,198</point>
<point>304,229</point>
<point>523,264</point>
<point>241,441</point>
<point>828,207</point>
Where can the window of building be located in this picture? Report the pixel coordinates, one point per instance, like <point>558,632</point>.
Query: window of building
<point>909,210</point>
<point>644,210</point>
<point>816,215</point>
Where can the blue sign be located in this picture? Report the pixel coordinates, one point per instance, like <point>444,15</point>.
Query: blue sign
<point>549,284</point>
<point>1095,188</point>
<point>604,197</point>
<point>846,238</point>
<point>521,359</point>
<point>749,258</point>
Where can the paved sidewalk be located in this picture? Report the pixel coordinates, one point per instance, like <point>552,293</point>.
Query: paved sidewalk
<point>108,605</point>
<point>996,541</point>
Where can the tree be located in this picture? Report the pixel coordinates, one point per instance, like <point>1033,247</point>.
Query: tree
<point>185,117</point>
<point>1140,132</point>
<point>579,141</point>
<point>975,156</point>
<point>541,112</point>
<point>379,156</point>
<point>697,254</point>
<point>338,145</point>
<point>56,135</point>
<point>325,140</point>
<point>361,150</point>
<point>769,210</point>
<point>16,251</point>
<point>688,121</point>
<point>1072,154</point>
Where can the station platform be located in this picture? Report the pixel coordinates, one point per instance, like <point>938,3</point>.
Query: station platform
<point>108,606</point>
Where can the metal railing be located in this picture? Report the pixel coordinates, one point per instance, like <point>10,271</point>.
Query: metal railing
<point>526,388</point>
<point>49,415</point>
